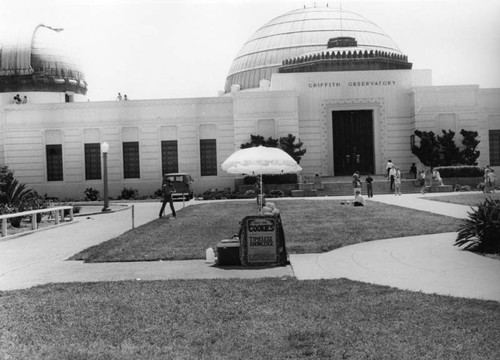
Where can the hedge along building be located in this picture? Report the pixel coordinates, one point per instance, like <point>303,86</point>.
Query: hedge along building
<point>332,78</point>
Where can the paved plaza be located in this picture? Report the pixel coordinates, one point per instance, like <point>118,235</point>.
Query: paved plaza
<point>427,263</point>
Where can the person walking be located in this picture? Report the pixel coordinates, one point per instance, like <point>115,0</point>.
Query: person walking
<point>388,167</point>
<point>167,189</point>
<point>369,186</point>
<point>397,181</point>
<point>392,174</point>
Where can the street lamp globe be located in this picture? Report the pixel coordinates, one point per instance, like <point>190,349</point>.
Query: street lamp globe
<point>105,147</point>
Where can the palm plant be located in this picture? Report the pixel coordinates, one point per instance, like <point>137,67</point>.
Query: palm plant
<point>481,231</point>
<point>14,198</point>
<point>15,194</point>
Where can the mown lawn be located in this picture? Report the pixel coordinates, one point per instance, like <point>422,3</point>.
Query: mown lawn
<point>469,199</point>
<point>243,319</point>
<point>310,226</point>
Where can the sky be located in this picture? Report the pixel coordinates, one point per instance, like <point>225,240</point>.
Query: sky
<point>156,49</point>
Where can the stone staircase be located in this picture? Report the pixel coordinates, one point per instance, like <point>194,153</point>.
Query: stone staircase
<point>342,186</point>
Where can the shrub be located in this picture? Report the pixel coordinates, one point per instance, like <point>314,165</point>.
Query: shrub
<point>481,231</point>
<point>215,194</point>
<point>6,177</point>
<point>249,194</point>
<point>76,210</point>
<point>128,194</point>
<point>276,194</point>
<point>272,179</point>
<point>460,171</point>
<point>91,194</point>
<point>158,193</point>
<point>285,143</point>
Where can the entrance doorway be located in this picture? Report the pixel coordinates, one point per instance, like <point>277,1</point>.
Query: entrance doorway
<point>352,142</point>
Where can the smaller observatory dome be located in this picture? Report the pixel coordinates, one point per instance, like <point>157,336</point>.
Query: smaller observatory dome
<point>40,60</point>
<point>300,32</point>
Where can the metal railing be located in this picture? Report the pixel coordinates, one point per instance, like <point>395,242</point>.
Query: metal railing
<point>57,213</point>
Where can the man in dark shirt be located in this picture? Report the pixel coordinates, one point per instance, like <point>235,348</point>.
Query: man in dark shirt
<point>168,190</point>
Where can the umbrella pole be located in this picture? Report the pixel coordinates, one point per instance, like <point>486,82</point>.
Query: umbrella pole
<point>261,195</point>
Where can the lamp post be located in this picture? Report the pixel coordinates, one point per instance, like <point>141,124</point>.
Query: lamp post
<point>104,150</point>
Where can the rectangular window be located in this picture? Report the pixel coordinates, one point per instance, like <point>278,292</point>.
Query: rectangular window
<point>131,160</point>
<point>54,162</point>
<point>169,157</point>
<point>494,147</point>
<point>208,157</point>
<point>93,161</point>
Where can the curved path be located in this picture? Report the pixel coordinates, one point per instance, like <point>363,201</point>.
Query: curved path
<point>428,263</point>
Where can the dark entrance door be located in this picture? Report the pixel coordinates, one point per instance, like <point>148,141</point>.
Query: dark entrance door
<point>352,142</point>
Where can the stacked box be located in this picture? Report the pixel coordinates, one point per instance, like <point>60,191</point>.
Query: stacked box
<point>228,252</point>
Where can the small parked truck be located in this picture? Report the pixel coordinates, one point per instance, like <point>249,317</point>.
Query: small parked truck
<point>183,185</point>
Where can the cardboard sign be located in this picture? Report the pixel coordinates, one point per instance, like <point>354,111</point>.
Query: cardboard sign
<point>261,243</point>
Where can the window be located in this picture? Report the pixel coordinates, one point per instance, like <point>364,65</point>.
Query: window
<point>266,128</point>
<point>169,157</point>
<point>208,157</point>
<point>54,162</point>
<point>93,161</point>
<point>495,147</point>
<point>447,122</point>
<point>131,160</point>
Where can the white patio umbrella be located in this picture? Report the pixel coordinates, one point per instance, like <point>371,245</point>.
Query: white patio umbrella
<point>260,160</point>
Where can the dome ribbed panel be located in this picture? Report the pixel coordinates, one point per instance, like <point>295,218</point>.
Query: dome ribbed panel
<point>299,32</point>
<point>53,55</point>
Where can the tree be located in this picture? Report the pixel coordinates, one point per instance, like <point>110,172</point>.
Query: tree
<point>442,151</point>
<point>449,151</point>
<point>285,143</point>
<point>428,150</point>
<point>288,145</point>
<point>469,155</point>
<point>257,140</point>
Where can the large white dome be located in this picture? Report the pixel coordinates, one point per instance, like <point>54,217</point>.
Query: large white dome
<point>299,32</point>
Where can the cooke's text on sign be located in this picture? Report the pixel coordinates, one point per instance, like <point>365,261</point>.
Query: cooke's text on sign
<point>261,235</point>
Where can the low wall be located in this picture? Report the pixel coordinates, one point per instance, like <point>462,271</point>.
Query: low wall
<point>471,181</point>
<point>286,188</point>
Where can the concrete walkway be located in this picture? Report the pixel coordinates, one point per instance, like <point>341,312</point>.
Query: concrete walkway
<point>427,263</point>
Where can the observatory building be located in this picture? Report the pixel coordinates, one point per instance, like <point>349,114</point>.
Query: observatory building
<point>330,77</point>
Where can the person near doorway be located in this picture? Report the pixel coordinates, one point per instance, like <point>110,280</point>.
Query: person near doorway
<point>388,167</point>
<point>413,170</point>
<point>392,174</point>
<point>356,182</point>
<point>359,200</point>
<point>491,180</point>
<point>397,181</point>
<point>369,186</point>
<point>167,190</point>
